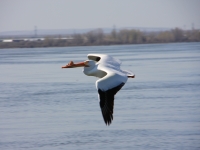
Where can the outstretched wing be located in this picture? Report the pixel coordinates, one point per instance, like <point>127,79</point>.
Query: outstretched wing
<point>107,102</point>
<point>109,84</point>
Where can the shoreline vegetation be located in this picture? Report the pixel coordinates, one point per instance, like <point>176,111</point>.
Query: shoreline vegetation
<point>98,37</point>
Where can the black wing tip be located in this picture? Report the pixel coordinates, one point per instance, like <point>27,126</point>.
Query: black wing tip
<point>108,123</point>
<point>104,97</point>
<point>108,119</point>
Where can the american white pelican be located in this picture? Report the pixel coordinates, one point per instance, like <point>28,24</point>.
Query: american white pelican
<point>112,79</point>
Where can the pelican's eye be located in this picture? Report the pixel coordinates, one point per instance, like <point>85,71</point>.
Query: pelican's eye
<point>98,58</point>
<point>86,64</point>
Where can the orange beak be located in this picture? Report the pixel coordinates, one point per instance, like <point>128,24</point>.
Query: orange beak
<point>71,64</point>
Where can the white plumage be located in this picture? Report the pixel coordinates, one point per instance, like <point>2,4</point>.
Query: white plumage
<point>112,79</point>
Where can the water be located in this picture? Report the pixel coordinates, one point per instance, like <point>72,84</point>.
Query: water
<point>45,107</point>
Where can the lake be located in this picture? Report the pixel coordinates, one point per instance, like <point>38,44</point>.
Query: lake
<point>44,107</point>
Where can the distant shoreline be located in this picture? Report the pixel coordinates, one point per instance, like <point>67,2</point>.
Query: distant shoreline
<point>99,38</point>
<point>91,45</point>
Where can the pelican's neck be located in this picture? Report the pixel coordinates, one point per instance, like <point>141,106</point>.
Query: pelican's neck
<point>92,70</point>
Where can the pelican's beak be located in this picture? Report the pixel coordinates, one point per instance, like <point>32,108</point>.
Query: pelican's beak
<point>71,64</point>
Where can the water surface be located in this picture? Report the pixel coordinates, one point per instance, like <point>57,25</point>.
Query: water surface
<point>45,107</point>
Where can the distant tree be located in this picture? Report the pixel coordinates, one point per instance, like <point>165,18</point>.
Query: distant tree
<point>97,37</point>
<point>114,34</point>
<point>77,39</point>
<point>178,34</point>
<point>165,37</point>
<point>193,35</point>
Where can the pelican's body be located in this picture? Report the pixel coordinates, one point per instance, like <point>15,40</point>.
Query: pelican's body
<point>112,79</point>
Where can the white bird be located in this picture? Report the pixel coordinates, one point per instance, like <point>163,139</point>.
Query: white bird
<point>112,79</point>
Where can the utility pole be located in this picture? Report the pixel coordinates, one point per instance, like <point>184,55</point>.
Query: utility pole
<point>193,26</point>
<point>35,31</point>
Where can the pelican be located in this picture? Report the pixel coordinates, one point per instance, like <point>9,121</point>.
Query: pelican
<point>112,79</point>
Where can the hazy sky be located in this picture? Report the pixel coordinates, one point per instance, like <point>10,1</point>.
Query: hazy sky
<point>79,14</point>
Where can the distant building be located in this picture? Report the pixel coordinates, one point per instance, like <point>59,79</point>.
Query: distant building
<point>7,40</point>
<point>33,39</point>
<point>18,40</point>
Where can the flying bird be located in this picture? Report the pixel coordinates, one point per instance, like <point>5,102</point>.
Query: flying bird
<point>112,79</point>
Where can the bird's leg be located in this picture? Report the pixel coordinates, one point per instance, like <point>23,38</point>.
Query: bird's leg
<point>131,76</point>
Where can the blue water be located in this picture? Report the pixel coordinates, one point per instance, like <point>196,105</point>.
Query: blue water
<point>44,107</point>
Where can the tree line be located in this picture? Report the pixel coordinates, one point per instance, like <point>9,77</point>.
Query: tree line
<point>124,36</point>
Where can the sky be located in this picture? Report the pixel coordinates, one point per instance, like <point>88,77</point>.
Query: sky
<point>20,15</point>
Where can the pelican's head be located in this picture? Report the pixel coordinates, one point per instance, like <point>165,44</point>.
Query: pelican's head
<point>90,67</point>
<point>87,63</point>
